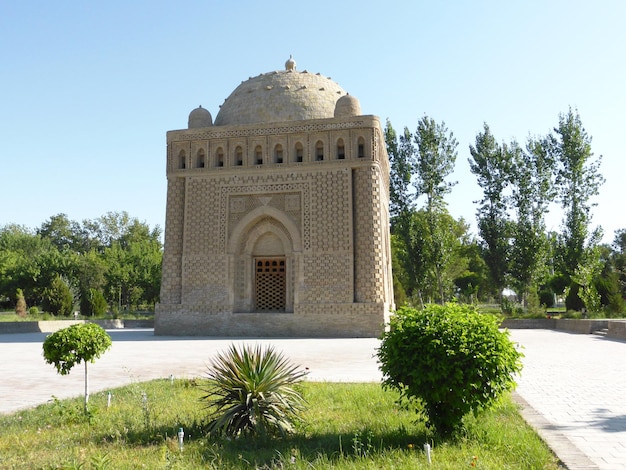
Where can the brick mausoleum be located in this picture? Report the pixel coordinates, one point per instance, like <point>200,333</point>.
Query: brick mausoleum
<point>277,218</point>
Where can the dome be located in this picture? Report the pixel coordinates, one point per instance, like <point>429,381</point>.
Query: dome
<point>199,117</point>
<point>285,95</point>
<point>347,106</point>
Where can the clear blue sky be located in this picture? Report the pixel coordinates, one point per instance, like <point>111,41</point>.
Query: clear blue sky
<point>89,89</point>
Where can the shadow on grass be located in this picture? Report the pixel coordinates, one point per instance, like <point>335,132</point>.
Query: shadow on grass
<point>274,452</point>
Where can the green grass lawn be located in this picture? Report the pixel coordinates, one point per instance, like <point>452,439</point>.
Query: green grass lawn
<point>9,316</point>
<point>346,426</point>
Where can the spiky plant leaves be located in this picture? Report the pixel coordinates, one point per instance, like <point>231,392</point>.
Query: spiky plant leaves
<point>252,391</point>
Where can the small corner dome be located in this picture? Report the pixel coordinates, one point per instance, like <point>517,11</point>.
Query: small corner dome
<point>199,117</point>
<point>347,106</point>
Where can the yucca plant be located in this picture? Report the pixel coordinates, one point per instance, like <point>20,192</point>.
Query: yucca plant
<point>251,391</point>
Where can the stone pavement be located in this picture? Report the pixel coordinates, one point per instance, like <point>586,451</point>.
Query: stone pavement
<point>575,385</point>
<point>572,388</point>
<point>137,355</point>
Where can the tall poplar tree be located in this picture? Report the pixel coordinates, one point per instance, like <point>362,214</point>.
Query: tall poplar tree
<point>435,160</point>
<point>426,238</point>
<point>492,166</point>
<point>401,156</point>
<point>532,191</point>
<point>408,243</point>
<point>578,181</point>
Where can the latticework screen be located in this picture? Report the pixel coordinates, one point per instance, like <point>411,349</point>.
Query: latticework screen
<point>270,284</point>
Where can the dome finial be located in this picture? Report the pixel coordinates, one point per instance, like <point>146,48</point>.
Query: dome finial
<point>290,64</point>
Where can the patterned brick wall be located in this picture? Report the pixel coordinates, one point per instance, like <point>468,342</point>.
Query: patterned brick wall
<point>327,215</point>
<point>331,210</point>
<point>204,280</point>
<point>201,227</point>
<point>171,278</point>
<point>369,267</point>
<point>327,278</point>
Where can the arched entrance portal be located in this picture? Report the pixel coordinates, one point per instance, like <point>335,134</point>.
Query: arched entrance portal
<point>265,246</point>
<point>270,269</point>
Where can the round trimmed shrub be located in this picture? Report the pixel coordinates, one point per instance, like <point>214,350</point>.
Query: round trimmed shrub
<point>449,357</point>
<point>83,342</point>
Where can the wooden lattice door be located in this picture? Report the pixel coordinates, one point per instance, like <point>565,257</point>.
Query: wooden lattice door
<point>270,284</point>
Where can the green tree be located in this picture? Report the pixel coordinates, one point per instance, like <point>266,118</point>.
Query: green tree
<point>31,262</point>
<point>412,244</point>
<point>618,257</point>
<point>57,298</point>
<point>20,304</point>
<point>492,165</point>
<point>116,254</point>
<point>51,264</point>
<point>607,283</point>
<point>411,247</point>
<point>90,236</point>
<point>474,282</point>
<point>425,240</point>
<point>435,159</point>
<point>145,257</point>
<point>457,263</point>
<point>61,231</point>
<point>133,261</point>
<point>93,303</point>
<point>19,248</point>
<point>90,276</point>
<point>578,181</point>
<point>532,191</point>
<point>400,275</point>
<point>584,277</point>
<point>83,342</point>
<point>401,161</point>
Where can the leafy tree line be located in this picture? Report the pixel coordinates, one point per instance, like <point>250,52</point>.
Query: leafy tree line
<point>109,263</point>
<point>435,258</point>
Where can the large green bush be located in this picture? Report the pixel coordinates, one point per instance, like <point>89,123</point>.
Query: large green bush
<point>251,391</point>
<point>452,358</point>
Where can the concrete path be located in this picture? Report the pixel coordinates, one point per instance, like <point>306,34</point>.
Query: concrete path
<point>576,385</point>
<point>137,355</point>
<point>573,387</point>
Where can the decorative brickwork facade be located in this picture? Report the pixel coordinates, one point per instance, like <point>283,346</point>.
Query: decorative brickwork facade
<point>277,217</point>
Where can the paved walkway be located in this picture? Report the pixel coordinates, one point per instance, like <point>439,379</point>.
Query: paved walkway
<point>137,355</point>
<point>576,385</point>
<point>573,387</point>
